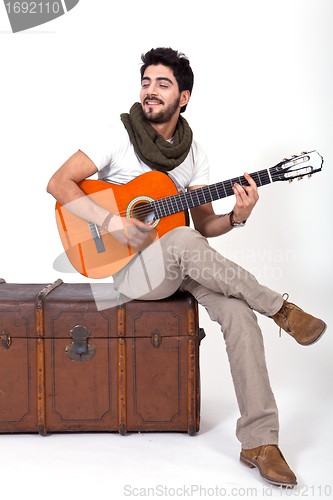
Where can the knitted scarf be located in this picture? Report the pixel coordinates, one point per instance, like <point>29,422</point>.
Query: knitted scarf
<point>151,147</point>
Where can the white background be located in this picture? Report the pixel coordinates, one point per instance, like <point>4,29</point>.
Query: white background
<point>263,91</point>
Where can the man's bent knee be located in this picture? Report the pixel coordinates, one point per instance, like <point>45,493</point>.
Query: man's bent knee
<point>183,237</point>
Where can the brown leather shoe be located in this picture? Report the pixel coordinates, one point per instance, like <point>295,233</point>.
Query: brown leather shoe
<point>271,464</point>
<point>305,329</point>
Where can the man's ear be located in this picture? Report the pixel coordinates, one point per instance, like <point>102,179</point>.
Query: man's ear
<point>184,98</point>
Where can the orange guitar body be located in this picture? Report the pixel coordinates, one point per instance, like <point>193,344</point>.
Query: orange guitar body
<point>102,256</point>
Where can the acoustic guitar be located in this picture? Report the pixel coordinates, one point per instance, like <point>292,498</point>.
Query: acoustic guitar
<point>154,199</point>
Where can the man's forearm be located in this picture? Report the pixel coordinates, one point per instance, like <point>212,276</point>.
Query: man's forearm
<point>214,225</point>
<point>77,202</point>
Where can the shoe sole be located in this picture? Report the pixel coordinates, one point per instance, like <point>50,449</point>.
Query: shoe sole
<point>249,463</point>
<point>318,338</point>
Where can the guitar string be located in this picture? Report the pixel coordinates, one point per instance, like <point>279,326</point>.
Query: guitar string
<point>261,178</point>
<point>206,190</point>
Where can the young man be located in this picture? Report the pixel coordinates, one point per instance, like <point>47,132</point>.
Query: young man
<point>155,136</point>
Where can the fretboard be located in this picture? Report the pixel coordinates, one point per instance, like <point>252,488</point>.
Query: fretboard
<point>183,201</point>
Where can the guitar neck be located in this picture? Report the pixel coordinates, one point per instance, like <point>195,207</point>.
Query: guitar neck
<point>183,201</point>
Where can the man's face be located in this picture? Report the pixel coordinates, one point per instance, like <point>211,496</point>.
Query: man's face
<point>159,96</point>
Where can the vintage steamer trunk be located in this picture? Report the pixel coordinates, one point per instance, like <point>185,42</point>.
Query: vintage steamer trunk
<point>66,366</point>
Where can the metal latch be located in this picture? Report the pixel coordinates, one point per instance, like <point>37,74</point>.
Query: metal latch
<point>201,334</point>
<point>156,338</point>
<point>6,339</point>
<point>81,349</point>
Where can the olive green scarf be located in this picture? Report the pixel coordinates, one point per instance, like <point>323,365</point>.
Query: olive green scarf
<point>151,147</point>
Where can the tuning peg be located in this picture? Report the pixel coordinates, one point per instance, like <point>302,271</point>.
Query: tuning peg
<point>304,153</point>
<point>300,178</point>
<point>309,176</point>
<point>290,181</point>
<point>294,156</point>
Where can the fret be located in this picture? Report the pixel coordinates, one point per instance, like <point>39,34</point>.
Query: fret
<point>264,177</point>
<point>204,194</point>
<point>165,207</point>
<point>221,189</point>
<point>207,194</point>
<point>162,208</point>
<point>192,198</point>
<point>217,194</point>
<point>179,202</point>
<point>237,180</point>
<point>195,192</point>
<point>169,206</point>
<point>183,200</point>
<point>176,203</point>
<point>159,206</point>
<point>228,187</point>
<point>257,179</point>
<point>157,215</point>
<point>193,203</point>
<point>200,196</point>
<point>212,196</point>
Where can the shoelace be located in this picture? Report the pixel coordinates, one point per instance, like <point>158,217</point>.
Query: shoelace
<point>285,296</point>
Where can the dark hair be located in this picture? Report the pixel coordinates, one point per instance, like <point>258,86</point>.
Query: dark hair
<point>177,61</point>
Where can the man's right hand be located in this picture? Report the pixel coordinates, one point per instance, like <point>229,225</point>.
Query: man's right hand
<point>128,231</point>
<point>64,187</point>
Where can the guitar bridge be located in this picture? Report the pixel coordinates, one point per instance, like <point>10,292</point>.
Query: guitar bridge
<point>96,235</point>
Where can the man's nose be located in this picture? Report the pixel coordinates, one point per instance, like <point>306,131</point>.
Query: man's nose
<point>152,89</point>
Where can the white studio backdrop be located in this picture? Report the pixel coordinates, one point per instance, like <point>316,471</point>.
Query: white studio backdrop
<point>263,91</point>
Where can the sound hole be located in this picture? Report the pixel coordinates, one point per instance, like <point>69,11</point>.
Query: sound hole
<point>144,212</point>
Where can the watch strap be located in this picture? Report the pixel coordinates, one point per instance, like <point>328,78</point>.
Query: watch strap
<point>232,221</point>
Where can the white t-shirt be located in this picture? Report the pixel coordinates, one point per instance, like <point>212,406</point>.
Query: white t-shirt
<point>113,154</point>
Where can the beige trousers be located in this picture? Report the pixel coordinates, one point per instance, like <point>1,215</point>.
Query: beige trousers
<point>182,259</point>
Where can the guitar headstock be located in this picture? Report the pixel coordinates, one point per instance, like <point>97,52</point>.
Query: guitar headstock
<point>297,167</point>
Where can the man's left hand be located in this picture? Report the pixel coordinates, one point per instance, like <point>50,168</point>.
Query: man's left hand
<point>246,198</point>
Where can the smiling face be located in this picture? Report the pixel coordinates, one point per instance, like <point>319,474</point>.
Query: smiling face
<point>160,98</point>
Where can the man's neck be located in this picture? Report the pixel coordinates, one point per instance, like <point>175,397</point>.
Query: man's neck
<point>166,130</point>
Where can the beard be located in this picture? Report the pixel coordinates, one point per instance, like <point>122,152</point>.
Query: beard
<point>162,116</point>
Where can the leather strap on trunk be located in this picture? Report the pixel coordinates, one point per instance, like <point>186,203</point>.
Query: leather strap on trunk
<point>40,300</point>
<point>122,397</point>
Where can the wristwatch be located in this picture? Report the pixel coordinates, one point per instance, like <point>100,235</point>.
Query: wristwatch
<point>233,223</point>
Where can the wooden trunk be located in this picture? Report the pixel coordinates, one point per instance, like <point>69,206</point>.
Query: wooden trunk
<point>67,366</point>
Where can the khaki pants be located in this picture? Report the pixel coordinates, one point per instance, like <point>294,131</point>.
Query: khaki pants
<point>182,259</point>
